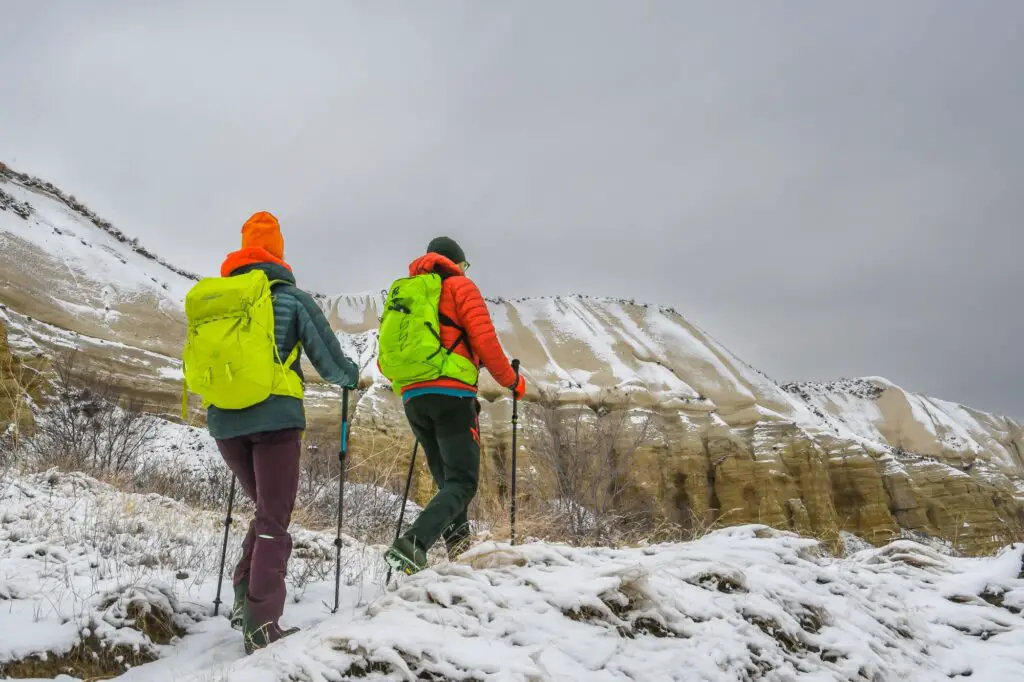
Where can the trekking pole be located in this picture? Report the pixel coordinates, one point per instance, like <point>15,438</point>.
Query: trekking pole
<point>342,452</point>
<point>224,547</point>
<point>401,513</point>
<point>515,423</point>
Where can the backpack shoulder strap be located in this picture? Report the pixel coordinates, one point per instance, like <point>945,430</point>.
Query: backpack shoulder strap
<point>297,348</point>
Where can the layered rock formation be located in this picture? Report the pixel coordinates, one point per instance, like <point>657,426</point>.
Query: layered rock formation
<point>722,443</point>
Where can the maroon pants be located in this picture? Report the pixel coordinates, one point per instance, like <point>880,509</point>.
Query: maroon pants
<point>267,468</point>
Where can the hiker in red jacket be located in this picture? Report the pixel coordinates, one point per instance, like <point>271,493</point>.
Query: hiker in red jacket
<point>443,413</point>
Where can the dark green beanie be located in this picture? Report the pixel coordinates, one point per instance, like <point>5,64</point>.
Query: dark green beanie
<point>447,247</point>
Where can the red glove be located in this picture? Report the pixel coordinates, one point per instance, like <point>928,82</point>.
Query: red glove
<point>520,388</point>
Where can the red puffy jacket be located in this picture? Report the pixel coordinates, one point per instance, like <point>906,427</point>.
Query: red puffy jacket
<point>462,302</point>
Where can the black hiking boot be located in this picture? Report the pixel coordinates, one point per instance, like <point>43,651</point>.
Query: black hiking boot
<point>406,556</point>
<point>258,636</point>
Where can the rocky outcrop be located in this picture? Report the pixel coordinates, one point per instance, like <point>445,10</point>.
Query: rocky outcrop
<point>722,443</point>
<point>701,473</point>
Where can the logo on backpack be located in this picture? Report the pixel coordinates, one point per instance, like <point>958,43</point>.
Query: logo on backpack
<point>409,341</point>
<point>231,358</point>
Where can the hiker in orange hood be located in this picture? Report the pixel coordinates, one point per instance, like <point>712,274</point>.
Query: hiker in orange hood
<point>261,444</point>
<point>262,242</point>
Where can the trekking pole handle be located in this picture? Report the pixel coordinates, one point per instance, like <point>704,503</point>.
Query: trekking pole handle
<point>344,423</point>
<point>515,387</point>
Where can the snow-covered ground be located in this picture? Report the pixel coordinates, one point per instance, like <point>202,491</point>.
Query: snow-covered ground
<point>79,559</point>
<point>183,444</point>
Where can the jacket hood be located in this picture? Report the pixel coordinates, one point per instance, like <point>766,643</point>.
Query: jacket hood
<point>252,255</point>
<point>240,262</point>
<point>435,262</point>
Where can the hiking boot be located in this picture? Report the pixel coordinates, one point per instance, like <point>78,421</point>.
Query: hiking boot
<point>258,636</point>
<point>241,590</point>
<point>406,556</point>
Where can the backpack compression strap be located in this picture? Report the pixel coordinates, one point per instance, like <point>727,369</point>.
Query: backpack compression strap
<point>449,322</point>
<point>463,338</point>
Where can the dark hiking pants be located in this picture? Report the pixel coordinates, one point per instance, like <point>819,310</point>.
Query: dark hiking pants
<point>449,433</point>
<point>267,468</point>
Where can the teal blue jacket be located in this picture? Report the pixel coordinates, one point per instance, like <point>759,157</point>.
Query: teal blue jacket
<point>296,318</point>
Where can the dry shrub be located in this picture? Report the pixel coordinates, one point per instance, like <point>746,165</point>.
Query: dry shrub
<point>374,484</point>
<point>86,425</point>
<point>82,422</point>
<point>583,491</point>
<point>202,484</point>
<point>579,490</point>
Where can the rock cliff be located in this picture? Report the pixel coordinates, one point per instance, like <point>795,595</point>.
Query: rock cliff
<point>721,443</point>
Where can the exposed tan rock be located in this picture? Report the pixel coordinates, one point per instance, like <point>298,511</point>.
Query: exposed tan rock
<point>726,444</point>
<point>20,381</point>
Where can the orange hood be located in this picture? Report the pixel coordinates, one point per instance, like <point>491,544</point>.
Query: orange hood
<point>249,256</point>
<point>435,262</point>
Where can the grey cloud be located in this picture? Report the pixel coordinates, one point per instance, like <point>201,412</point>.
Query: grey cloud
<point>829,189</point>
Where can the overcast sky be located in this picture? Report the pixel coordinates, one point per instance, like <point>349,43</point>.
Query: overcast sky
<point>830,189</point>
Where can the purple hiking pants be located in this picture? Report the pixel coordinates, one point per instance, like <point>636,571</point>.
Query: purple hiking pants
<point>267,468</point>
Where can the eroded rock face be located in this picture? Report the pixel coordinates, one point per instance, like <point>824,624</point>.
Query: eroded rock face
<point>701,474</point>
<point>724,444</point>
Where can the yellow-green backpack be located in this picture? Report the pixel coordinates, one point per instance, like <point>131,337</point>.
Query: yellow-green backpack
<point>409,348</point>
<point>230,357</point>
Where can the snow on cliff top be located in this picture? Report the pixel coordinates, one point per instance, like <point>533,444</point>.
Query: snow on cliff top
<point>878,410</point>
<point>578,346</point>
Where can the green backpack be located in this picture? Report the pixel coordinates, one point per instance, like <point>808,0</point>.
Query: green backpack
<point>230,356</point>
<point>409,341</point>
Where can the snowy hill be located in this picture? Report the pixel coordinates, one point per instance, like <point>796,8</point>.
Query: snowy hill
<point>586,349</point>
<point>127,582</point>
<point>878,410</point>
<point>61,266</point>
<point>725,444</point>
<point>743,604</point>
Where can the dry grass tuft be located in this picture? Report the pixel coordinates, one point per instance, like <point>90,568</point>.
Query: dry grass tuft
<point>90,659</point>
